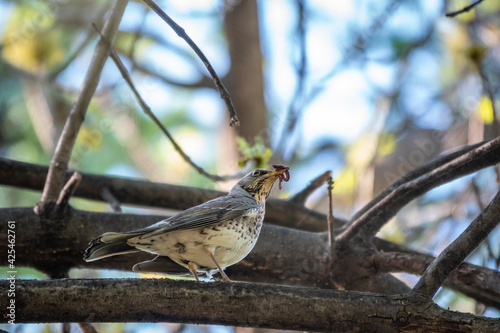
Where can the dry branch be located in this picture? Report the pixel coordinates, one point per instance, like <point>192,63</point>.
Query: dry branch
<point>414,174</point>
<point>377,215</point>
<point>145,193</point>
<point>463,10</point>
<point>62,154</point>
<point>282,255</point>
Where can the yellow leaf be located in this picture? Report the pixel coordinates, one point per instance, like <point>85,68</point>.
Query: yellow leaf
<point>30,42</point>
<point>485,110</point>
<point>467,16</point>
<point>346,182</point>
<point>89,137</point>
<point>387,145</point>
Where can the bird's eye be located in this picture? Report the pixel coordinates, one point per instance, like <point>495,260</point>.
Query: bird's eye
<point>259,172</point>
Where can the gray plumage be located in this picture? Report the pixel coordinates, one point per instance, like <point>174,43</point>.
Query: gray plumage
<point>204,238</point>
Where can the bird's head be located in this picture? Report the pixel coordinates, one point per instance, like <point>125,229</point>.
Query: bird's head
<point>259,182</point>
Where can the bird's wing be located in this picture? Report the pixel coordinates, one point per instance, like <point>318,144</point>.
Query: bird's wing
<point>211,212</point>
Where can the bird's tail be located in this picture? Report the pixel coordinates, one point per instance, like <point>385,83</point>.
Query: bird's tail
<point>108,245</point>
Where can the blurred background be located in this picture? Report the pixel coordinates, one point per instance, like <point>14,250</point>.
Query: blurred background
<point>367,89</point>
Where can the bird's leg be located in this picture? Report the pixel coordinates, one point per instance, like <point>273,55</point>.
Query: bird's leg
<point>210,251</point>
<point>192,268</point>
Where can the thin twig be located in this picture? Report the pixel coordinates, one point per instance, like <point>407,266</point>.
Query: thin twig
<point>69,189</point>
<point>459,249</point>
<point>296,105</point>
<point>224,94</point>
<point>86,328</point>
<point>463,10</point>
<point>62,154</point>
<point>355,48</point>
<point>331,236</point>
<point>477,196</point>
<point>111,200</point>
<point>138,33</point>
<point>385,208</point>
<point>65,328</point>
<point>301,197</point>
<point>147,110</point>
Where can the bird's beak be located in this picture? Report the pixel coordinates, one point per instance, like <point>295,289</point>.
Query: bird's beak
<point>280,171</point>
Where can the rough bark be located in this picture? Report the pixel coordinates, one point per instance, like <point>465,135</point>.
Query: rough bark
<point>238,304</point>
<point>282,255</point>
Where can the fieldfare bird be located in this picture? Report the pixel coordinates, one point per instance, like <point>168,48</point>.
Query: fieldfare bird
<point>204,239</point>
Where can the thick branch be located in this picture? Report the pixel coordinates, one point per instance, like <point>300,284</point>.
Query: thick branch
<point>414,174</point>
<point>145,193</point>
<point>62,154</point>
<point>237,304</point>
<point>459,249</point>
<point>282,255</point>
<point>374,218</point>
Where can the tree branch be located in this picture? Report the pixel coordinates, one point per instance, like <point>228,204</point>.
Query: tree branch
<point>238,304</point>
<point>463,10</point>
<point>111,200</point>
<point>414,174</point>
<point>224,94</point>
<point>166,196</point>
<point>456,252</point>
<point>282,255</point>
<point>62,154</point>
<point>374,218</point>
<point>86,328</point>
<point>69,189</point>
<point>331,234</point>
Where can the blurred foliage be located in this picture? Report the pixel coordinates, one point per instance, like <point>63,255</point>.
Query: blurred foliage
<point>258,153</point>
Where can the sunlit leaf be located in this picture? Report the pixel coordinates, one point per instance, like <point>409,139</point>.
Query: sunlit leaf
<point>387,144</point>
<point>30,42</point>
<point>346,182</point>
<point>258,152</point>
<point>485,110</point>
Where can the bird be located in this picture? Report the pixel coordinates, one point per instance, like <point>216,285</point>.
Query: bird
<point>204,239</point>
